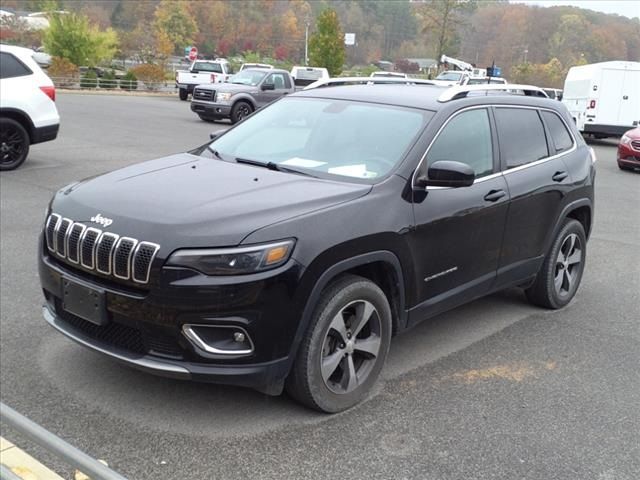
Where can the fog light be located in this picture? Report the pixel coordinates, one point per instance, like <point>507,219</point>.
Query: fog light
<point>219,339</point>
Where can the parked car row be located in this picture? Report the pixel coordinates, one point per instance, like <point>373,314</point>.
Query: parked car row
<point>28,113</point>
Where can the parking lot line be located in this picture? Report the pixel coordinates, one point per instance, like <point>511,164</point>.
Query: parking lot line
<point>23,464</point>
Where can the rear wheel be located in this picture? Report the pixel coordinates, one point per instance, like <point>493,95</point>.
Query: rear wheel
<point>184,94</point>
<point>240,110</point>
<point>562,270</point>
<point>14,144</point>
<point>346,346</point>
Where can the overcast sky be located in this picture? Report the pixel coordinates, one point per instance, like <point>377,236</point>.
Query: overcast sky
<point>628,8</point>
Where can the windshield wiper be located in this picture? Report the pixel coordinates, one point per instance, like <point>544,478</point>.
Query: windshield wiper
<point>273,166</point>
<point>215,152</point>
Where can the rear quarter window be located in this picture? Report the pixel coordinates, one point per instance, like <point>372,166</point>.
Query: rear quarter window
<point>11,67</point>
<point>557,129</point>
<point>521,135</point>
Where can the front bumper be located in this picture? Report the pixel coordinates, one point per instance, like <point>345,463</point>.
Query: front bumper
<point>628,157</point>
<point>215,110</point>
<point>144,328</point>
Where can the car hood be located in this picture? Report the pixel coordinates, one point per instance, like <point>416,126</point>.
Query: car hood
<point>190,201</point>
<point>233,88</point>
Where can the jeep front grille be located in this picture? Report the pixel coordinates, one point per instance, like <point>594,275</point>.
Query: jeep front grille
<point>105,252</point>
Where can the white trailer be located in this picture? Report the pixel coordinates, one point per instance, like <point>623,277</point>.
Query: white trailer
<point>604,98</point>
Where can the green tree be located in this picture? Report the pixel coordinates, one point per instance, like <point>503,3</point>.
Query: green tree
<point>175,19</point>
<point>71,36</point>
<point>326,45</point>
<point>442,20</point>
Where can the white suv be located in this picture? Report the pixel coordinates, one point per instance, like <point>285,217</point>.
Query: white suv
<point>28,113</point>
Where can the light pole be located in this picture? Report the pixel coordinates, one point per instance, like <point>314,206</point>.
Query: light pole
<point>306,42</point>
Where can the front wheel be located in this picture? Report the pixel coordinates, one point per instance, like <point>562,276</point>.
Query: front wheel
<point>240,110</point>
<point>561,273</point>
<point>14,144</point>
<point>346,346</point>
<point>184,94</point>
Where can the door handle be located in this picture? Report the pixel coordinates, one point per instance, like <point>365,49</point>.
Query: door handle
<point>559,176</point>
<point>494,195</point>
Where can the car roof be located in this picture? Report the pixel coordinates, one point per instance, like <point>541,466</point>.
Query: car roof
<point>421,96</point>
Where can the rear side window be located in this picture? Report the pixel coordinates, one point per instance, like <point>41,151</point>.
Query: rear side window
<point>558,131</point>
<point>466,139</point>
<point>521,134</point>
<point>11,67</point>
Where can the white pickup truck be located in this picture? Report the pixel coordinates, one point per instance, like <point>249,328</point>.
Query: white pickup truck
<point>201,72</point>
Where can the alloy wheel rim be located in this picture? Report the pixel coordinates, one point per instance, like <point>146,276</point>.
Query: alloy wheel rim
<point>243,111</point>
<point>567,265</point>
<point>11,145</point>
<point>351,347</point>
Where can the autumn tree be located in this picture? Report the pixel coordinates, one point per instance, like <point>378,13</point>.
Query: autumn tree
<point>326,44</point>
<point>73,37</point>
<point>442,20</point>
<point>175,19</point>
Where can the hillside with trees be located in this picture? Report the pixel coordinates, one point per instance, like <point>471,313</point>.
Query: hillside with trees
<point>530,43</point>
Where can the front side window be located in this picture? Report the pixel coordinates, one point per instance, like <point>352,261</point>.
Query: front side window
<point>325,137</point>
<point>11,67</point>
<point>521,134</point>
<point>558,131</point>
<point>278,80</point>
<point>466,139</point>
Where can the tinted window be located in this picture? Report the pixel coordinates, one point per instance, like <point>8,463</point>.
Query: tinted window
<point>11,67</point>
<point>522,138</point>
<point>207,67</point>
<point>466,139</point>
<point>559,133</point>
<point>278,80</point>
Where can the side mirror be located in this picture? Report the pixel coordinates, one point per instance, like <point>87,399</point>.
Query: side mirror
<point>217,133</point>
<point>447,174</point>
<point>268,86</point>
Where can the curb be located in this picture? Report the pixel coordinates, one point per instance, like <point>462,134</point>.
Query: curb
<point>23,465</point>
<point>62,91</point>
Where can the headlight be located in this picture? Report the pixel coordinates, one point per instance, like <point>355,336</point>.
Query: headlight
<point>625,140</point>
<point>234,261</point>
<point>224,97</point>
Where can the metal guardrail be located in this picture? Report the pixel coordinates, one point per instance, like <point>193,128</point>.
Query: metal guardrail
<point>54,444</point>
<point>113,84</point>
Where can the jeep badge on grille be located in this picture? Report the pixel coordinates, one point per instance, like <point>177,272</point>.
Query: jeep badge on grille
<point>101,220</point>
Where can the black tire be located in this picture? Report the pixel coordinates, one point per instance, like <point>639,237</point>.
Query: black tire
<point>14,144</point>
<point>559,278</point>
<point>240,110</point>
<point>352,359</point>
<point>183,93</point>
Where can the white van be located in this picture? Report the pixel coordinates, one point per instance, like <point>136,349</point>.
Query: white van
<point>604,98</point>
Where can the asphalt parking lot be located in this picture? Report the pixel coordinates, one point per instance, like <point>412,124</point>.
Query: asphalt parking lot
<point>494,389</point>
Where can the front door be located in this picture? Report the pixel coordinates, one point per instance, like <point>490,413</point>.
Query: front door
<point>458,231</point>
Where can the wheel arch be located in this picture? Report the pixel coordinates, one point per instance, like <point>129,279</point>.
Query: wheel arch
<point>382,267</point>
<point>21,117</point>
<point>246,99</point>
<point>580,210</point>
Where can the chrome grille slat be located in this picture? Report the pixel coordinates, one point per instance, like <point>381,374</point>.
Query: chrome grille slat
<point>142,260</point>
<point>103,252</point>
<point>51,230</point>
<point>61,235</point>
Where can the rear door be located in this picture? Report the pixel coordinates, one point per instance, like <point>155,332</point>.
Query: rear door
<point>538,180</point>
<point>630,104</point>
<point>610,98</point>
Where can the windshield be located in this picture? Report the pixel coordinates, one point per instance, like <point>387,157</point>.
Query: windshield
<point>325,137</point>
<point>454,76</point>
<point>248,77</point>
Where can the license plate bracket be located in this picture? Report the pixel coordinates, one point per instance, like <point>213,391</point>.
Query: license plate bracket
<point>85,302</point>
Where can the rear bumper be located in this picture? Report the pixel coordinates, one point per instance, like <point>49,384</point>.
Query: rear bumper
<point>265,377</point>
<point>185,86</point>
<point>211,109</point>
<point>45,134</point>
<point>612,130</point>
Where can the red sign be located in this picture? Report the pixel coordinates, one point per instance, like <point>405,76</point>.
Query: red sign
<point>193,53</point>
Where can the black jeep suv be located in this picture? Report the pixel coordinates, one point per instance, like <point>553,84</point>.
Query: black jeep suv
<point>291,248</point>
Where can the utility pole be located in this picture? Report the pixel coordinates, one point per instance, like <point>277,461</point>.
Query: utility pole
<point>306,41</point>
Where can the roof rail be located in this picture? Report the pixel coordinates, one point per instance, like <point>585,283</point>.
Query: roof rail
<point>461,91</point>
<point>340,81</point>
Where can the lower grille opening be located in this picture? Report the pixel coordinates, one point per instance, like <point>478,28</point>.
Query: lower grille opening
<point>122,336</point>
